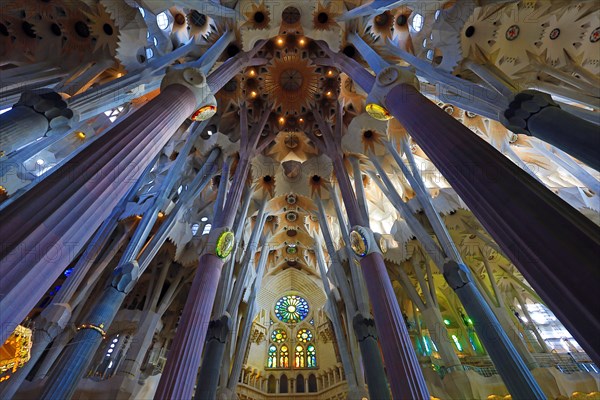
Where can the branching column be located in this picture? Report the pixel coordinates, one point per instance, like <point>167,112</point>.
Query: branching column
<point>539,232</point>
<point>219,330</point>
<point>399,356</point>
<point>179,374</point>
<point>47,226</point>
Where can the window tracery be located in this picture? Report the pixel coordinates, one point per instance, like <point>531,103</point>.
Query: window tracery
<point>291,309</point>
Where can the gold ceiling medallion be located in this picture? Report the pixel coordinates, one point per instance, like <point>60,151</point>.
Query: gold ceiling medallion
<point>292,83</point>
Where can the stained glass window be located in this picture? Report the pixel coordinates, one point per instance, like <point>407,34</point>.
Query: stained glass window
<point>291,309</point>
<point>304,335</point>
<point>311,356</point>
<point>284,357</point>
<point>272,362</point>
<point>278,336</point>
<point>299,359</point>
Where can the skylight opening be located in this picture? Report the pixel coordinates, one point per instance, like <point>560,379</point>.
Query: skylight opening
<point>162,20</point>
<point>417,22</point>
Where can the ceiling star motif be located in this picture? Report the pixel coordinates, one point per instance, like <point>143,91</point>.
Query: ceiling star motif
<point>292,83</point>
<point>258,17</point>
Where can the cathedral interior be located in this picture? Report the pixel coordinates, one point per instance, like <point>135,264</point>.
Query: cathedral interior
<point>284,199</point>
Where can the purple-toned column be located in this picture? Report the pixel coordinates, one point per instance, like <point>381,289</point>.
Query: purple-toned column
<point>403,370</point>
<point>180,372</point>
<point>553,245</point>
<point>46,227</point>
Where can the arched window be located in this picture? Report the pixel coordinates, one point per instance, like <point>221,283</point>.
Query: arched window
<point>304,335</point>
<point>283,384</point>
<point>299,359</point>
<point>300,384</point>
<point>272,361</point>
<point>312,383</point>
<point>284,357</point>
<point>311,356</point>
<point>272,384</point>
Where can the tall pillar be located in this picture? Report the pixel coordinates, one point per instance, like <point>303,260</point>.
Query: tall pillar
<point>48,225</point>
<point>536,229</point>
<point>75,361</point>
<point>181,369</point>
<point>242,343</point>
<point>398,353</point>
<point>536,114</point>
<point>214,353</point>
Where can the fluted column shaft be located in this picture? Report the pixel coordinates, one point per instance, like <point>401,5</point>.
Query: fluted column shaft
<point>181,369</point>
<point>76,358</point>
<point>47,226</point>
<point>20,126</point>
<point>208,380</point>
<point>537,230</point>
<point>398,353</point>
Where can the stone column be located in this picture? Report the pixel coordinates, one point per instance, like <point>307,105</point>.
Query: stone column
<point>31,117</point>
<point>133,358</point>
<point>399,356</point>
<point>536,114</point>
<point>244,337</point>
<point>181,369</point>
<point>48,225</point>
<point>218,330</point>
<point>510,366</point>
<point>366,334</point>
<point>65,376</point>
<point>536,229</point>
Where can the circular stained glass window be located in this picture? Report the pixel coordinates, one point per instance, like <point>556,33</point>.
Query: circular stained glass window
<point>304,335</point>
<point>278,336</point>
<point>291,309</point>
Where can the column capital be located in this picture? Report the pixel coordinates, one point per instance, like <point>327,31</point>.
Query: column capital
<point>457,275</point>
<point>54,318</point>
<point>218,329</point>
<point>387,79</point>
<point>48,104</point>
<point>364,327</point>
<point>522,107</point>
<point>125,276</point>
<point>194,80</point>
